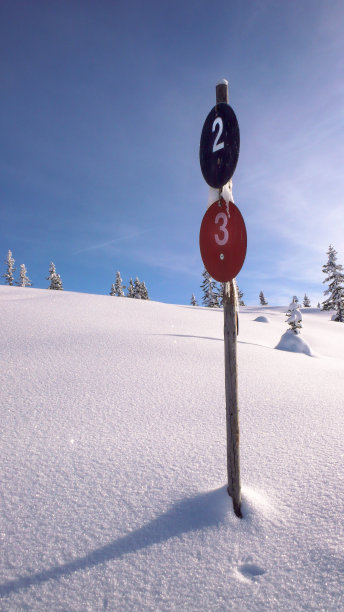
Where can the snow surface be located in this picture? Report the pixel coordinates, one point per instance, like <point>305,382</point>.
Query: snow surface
<point>113,459</point>
<point>262,319</point>
<point>291,342</point>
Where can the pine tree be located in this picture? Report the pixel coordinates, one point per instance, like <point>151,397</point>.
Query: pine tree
<point>112,290</point>
<point>130,293</point>
<point>24,280</point>
<point>262,299</point>
<point>54,278</point>
<point>296,300</point>
<point>56,283</point>
<point>193,301</point>
<point>289,307</point>
<point>306,301</point>
<point>208,287</point>
<point>137,288</point>
<point>294,317</point>
<point>219,291</point>
<point>144,291</point>
<point>118,285</point>
<point>240,297</point>
<point>52,270</point>
<point>8,275</point>
<point>335,280</point>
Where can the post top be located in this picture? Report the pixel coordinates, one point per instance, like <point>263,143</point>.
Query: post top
<point>222,92</point>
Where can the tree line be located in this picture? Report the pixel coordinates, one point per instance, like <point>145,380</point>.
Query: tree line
<point>23,279</point>
<point>212,292</point>
<point>136,289</point>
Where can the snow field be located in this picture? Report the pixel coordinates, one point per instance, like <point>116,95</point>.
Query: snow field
<point>113,458</point>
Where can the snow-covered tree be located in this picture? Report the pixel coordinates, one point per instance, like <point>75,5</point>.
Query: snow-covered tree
<point>193,300</point>
<point>112,290</point>
<point>24,280</point>
<point>306,301</point>
<point>130,292</point>
<point>54,278</point>
<point>52,270</point>
<point>207,287</point>
<point>118,287</point>
<point>262,299</point>
<point>10,269</point>
<point>294,300</point>
<point>56,283</point>
<point>210,293</point>
<point>144,291</point>
<point>335,280</point>
<point>219,291</point>
<point>240,297</point>
<point>294,317</point>
<point>137,288</point>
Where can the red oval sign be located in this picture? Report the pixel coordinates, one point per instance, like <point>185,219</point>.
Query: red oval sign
<point>223,240</point>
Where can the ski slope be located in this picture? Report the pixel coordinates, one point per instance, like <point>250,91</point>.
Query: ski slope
<point>113,458</point>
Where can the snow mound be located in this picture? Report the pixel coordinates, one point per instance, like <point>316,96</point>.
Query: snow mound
<point>262,319</point>
<point>293,343</point>
<point>257,507</point>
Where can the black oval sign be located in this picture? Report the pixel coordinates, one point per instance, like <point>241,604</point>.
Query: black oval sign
<point>219,146</point>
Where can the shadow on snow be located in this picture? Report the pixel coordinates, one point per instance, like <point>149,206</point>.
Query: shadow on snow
<point>191,514</point>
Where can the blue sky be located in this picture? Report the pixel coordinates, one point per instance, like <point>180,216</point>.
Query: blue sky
<point>102,107</point>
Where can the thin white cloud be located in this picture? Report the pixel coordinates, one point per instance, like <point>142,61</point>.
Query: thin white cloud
<point>105,245</point>
<point>185,263</point>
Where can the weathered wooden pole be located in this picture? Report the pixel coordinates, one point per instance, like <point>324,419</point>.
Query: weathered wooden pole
<point>231,386</point>
<point>231,370</point>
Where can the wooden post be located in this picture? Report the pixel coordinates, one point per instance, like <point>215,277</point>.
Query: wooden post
<point>231,370</point>
<point>222,92</point>
<point>231,386</point>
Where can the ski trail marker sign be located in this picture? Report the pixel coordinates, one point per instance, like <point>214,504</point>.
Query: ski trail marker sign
<point>223,240</point>
<point>219,146</point>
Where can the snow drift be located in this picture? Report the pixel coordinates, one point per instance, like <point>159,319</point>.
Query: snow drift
<point>294,343</point>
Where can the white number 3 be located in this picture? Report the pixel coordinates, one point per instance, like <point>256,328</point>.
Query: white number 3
<point>221,216</point>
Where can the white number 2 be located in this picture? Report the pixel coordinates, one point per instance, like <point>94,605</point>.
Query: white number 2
<point>218,145</point>
<point>221,216</point>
